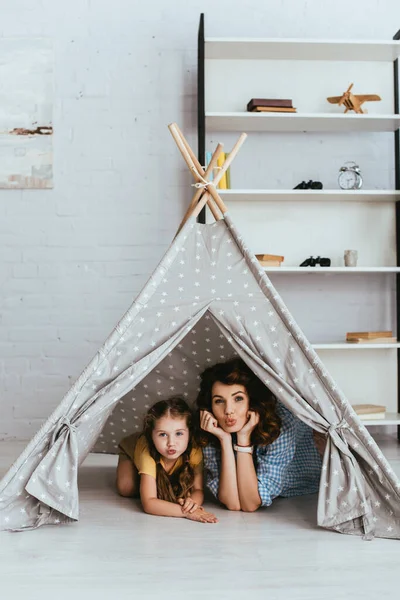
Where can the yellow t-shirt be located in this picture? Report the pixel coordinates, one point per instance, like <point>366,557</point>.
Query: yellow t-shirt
<point>137,450</point>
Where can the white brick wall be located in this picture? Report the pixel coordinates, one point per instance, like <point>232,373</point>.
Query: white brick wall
<point>74,257</point>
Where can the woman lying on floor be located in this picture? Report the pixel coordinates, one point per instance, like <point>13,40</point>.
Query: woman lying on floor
<point>255,449</point>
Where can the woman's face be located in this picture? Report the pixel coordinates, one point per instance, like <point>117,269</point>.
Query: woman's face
<point>230,405</point>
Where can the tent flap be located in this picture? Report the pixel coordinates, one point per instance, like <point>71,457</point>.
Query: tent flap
<point>54,482</point>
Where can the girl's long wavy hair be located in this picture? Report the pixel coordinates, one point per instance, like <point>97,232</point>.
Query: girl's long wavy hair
<point>180,482</point>
<point>262,401</point>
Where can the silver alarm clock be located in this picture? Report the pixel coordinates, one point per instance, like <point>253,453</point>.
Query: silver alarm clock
<point>350,176</point>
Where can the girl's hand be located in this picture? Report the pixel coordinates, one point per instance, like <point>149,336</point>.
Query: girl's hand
<point>210,424</point>
<point>201,516</point>
<point>188,505</point>
<point>244,435</point>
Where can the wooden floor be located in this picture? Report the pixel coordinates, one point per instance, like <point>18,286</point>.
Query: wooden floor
<point>117,551</point>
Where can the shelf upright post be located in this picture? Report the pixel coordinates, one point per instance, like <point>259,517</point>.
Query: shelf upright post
<point>201,114</point>
<point>397,186</point>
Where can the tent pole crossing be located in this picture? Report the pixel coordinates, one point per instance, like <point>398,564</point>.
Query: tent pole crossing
<point>202,177</point>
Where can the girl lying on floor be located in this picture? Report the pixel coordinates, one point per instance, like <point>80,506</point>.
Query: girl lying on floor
<point>255,448</point>
<point>164,465</point>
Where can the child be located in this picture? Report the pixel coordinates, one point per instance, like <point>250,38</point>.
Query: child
<point>170,466</point>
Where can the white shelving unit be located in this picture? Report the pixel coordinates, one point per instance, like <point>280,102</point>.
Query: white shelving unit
<point>300,49</point>
<point>275,218</point>
<point>310,196</point>
<point>295,122</point>
<point>390,419</point>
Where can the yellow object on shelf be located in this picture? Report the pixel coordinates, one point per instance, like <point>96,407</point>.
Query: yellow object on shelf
<point>221,159</point>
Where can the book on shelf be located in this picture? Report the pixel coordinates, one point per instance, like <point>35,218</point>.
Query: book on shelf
<point>281,109</point>
<point>382,340</point>
<point>270,257</point>
<point>276,102</point>
<point>370,411</point>
<point>369,335</point>
<point>270,263</point>
<point>270,260</point>
<point>228,174</point>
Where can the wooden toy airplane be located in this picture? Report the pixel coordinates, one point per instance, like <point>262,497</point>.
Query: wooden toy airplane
<point>353,101</point>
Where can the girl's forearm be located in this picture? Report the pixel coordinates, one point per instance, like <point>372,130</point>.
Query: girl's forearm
<point>197,496</point>
<point>247,482</point>
<point>162,508</point>
<point>228,487</point>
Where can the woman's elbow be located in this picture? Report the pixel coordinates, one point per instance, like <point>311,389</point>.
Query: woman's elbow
<point>230,505</point>
<point>233,506</point>
<point>251,508</point>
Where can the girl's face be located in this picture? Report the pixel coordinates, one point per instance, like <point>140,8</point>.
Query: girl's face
<point>230,405</point>
<point>171,436</point>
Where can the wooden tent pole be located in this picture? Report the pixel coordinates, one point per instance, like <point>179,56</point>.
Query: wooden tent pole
<point>188,159</point>
<point>182,145</point>
<point>199,168</point>
<point>199,205</point>
<point>227,162</point>
<point>200,191</point>
<point>179,142</point>
<point>197,176</point>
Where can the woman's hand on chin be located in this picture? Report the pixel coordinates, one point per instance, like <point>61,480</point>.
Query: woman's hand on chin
<point>244,435</point>
<point>210,424</point>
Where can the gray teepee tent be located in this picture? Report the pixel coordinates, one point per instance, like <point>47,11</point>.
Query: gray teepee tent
<point>207,299</point>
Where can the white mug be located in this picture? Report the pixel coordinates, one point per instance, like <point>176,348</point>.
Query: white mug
<point>350,258</point>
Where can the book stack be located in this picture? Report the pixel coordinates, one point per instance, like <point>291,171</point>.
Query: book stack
<point>282,105</point>
<point>370,411</point>
<point>270,260</point>
<point>370,337</point>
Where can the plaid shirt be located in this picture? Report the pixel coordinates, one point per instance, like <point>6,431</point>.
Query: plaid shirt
<point>290,466</point>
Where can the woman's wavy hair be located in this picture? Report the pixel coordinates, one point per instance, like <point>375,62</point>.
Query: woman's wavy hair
<point>262,401</point>
<point>180,482</point>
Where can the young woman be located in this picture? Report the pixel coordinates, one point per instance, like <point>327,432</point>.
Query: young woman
<point>166,462</point>
<point>255,448</point>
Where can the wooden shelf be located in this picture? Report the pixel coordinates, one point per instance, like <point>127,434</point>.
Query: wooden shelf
<point>390,419</point>
<point>301,49</point>
<point>311,195</point>
<point>333,270</point>
<point>295,122</point>
<point>345,346</point>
